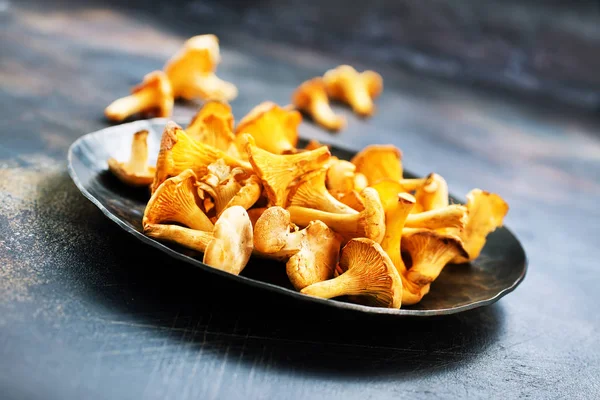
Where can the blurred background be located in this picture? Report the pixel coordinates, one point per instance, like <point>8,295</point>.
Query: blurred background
<point>543,48</point>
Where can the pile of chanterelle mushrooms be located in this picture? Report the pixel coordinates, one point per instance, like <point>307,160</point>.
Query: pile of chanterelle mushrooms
<point>353,228</point>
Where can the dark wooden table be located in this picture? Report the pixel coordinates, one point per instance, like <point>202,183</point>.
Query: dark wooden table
<point>79,321</point>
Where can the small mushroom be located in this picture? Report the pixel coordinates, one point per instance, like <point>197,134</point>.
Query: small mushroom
<point>395,219</point>
<point>485,213</point>
<point>311,253</point>
<point>228,187</point>
<point>135,171</point>
<point>152,97</point>
<point>452,216</point>
<point>311,97</point>
<point>310,191</point>
<point>426,253</point>
<point>369,223</point>
<point>192,71</point>
<point>228,247</point>
<point>433,194</point>
<point>378,162</point>
<point>275,129</point>
<point>176,201</point>
<point>277,172</point>
<point>213,125</point>
<point>178,152</point>
<point>367,274</point>
<point>358,90</point>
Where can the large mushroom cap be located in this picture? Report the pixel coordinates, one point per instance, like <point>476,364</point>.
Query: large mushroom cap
<point>274,128</point>
<point>232,245</point>
<point>378,162</point>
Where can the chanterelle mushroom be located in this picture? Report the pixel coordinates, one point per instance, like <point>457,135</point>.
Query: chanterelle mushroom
<point>378,162</point>
<point>179,152</point>
<point>152,97</point>
<point>176,201</point>
<point>228,187</point>
<point>452,216</point>
<point>310,191</point>
<point>341,177</point>
<point>344,83</point>
<point>274,129</point>
<point>369,223</point>
<point>277,172</point>
<point>485,213</point>
<point>192,71</point>
<point>311,253</point>
<point>228,247</point>
<point>367,274</point>
<point>433,193</point>
<point>311,97</point>
<point>135,171</point>
<point>213,125</point>
<point>425,253</point>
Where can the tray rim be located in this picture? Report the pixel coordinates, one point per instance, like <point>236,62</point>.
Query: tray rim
<point>266,285</point>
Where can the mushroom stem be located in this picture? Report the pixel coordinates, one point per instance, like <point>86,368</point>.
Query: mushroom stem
<point>211,86</point>
<point>190,238</point>
<point>138,161</point>
<point>395,219</point>
<point>452,216</point>
<point>344,284</point>
<point>135,103</point>
<point>360,100</point>
<point>369,223</point>
<point>311,192</point>
<point>324,115</point>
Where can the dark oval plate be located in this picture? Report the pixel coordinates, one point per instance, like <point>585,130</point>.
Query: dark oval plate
<point>498,270</point>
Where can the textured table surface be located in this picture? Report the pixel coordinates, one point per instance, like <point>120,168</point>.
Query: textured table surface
<point>77,320</point>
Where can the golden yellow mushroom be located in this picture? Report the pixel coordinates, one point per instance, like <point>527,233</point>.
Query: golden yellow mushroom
<point>433,193</point>
<point>378,162</point>
<point>213,125</point>
<point>176,201</point>
<point>277,172</point>
<point>311,97</point>
<point>192,71</point>
<point>179,152</point>
<point>274,129</point>
<point>345,84</point>
<point>152,97</point>
<point>366,274</point>
<point>310,192</point>
<point>369,223</point>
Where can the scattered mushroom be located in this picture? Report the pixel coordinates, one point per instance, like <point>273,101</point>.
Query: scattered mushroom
<point>135,171</point>
<point>213,125</point>
<point>228,187</point>
<point>152,97</point>
<point>228,247</point>
<point>485,213</point>
<point>311,253</point>
<point>311,97</point>
<point>358,90</point>
<point>176,201</point>
<point>367,274</point>
<point>277,172</point>
<point>192,71</point>
<point>310,191</point>
<point>274,129</point>
<point>179,152</point>
<point>433,193</point>
<point>427,252</point>
<point>369,223</point>
<point>378,162</point>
